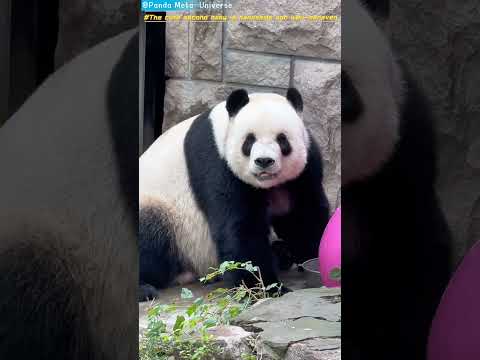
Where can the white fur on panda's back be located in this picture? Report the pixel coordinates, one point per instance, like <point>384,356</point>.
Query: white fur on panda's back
<point>163,182</point>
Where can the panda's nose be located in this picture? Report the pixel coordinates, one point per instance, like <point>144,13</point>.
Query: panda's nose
<point>264,162</point>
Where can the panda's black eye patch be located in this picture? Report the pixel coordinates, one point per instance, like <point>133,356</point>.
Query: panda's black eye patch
<point>247,144</point>
<point>284,144</point>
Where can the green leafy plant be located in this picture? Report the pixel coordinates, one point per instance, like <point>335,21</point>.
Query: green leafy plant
<point>189,337</point>
<point>255,293</point>
<point>249,357</point>
<point>336,274</point>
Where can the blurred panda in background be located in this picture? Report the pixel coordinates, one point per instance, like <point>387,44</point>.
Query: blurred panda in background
<point>69,212</point>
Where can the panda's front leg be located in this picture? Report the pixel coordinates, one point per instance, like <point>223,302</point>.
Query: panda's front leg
<point>246,238</point>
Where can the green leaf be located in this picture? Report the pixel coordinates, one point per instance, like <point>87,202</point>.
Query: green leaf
<point>240,294</point>
<point>336,274</point>
<point>191,323</point>
<point>210,322</point>
<point>249,267</point>
<point>198,301</point>
<point>153,311</point>
<point>192,309</point>
<point>179,323</point>
<point>186,294</point>
<point>234,311</point>
<point>226,265</point>
<point>222,303</point>
<point>217,293</point>
<point>169,308</point>
<point>210,277</point>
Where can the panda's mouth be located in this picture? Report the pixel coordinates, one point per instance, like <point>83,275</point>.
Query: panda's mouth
<point>264,176</point>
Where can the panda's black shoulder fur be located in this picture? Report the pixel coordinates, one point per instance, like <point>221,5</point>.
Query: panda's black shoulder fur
<point>215,187</point>
<point>123,105</point>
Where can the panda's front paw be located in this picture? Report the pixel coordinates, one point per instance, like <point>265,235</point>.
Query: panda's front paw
<point>279,290</point>
<point>282,255</point>
<point>147,292</point>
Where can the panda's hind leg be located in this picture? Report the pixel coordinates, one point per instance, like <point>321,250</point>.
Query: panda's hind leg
<point>159,261</point>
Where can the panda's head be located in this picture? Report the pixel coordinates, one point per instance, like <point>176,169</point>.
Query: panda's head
<point>372,94</point>
<point>262,136</point>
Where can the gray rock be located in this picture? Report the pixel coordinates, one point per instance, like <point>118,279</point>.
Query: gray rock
<point>315,349</point>
<point>280,334</point>
<point>319,83</point>
<point>265,352</point>
<point>257,69</point>
<point>176,47</point>
<point>319,303</point>
<point>206,47</point>
<point>306,38</point>
<point>297,318</point>
<point>233,340</point>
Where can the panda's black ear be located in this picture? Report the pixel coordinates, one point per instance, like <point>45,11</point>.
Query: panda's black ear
<point>294,97</point>
<point>236,100</point>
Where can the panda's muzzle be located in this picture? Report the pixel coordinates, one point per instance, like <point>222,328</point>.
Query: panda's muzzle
<point>264,162</point>
<point>264,176</point>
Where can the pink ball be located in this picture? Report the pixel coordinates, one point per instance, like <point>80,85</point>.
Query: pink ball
<point>330,250</point>
<point>456,327</point>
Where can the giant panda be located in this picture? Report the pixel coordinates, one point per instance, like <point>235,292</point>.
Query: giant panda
<point>395,240</point>
<point>69,212</point>
<point>212,187</point>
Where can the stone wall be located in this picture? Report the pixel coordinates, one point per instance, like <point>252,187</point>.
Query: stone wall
<point>440,42</point>
<point>205,61</point>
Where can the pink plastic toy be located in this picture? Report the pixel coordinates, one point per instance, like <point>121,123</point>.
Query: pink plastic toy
<point>330,250</point>
<point>455,333</point>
